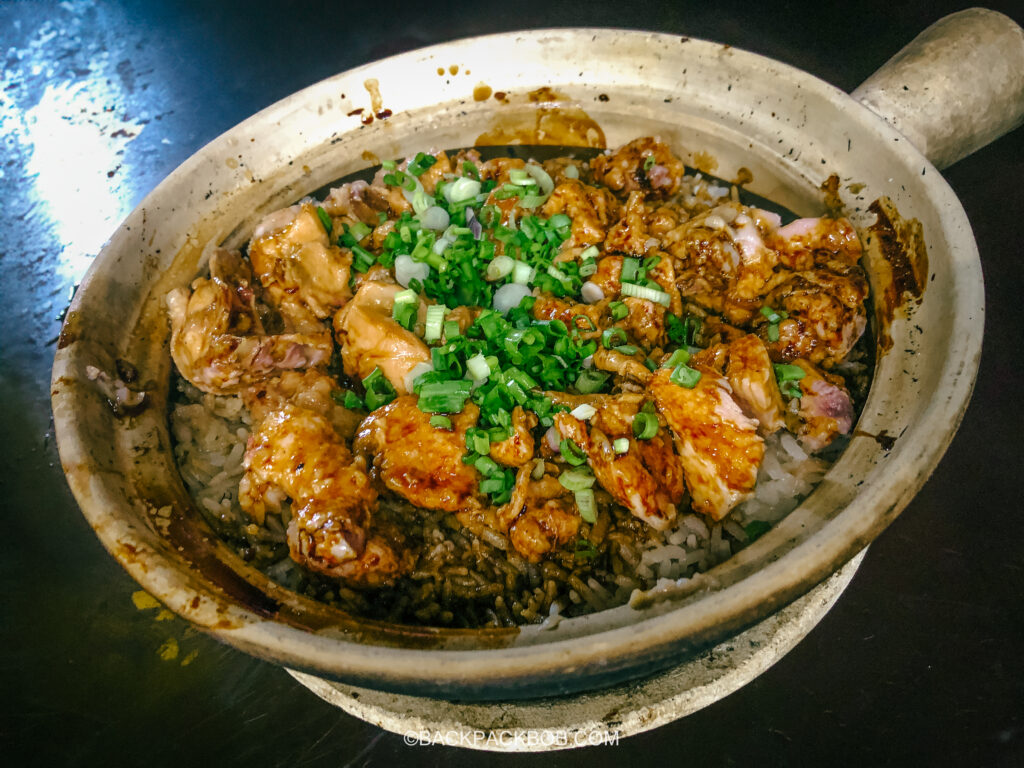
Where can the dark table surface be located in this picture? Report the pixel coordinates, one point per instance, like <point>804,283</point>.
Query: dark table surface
<point>920,663</point>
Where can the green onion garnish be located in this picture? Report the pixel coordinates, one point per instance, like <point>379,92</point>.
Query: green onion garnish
<point>590,381</point>
<point>626,349</point>
<point>444,396</point>
<point>679,357</point>
<point>362,259</point>
<point>325,219</point>
<point>621,445</point>
<point>440,422</point>
<point>773,332</point>
<point>576,479</point>
<point>612,337</point>
<point>478,368</point>
<point>646,292</point>
<point>435,321</point>
<point>649,162</point>
<point>685,376</point>
<point>571,452</point>
<point>586,505</point>
<point>619,310</point>
<point>645,426</point>
<point>584,550</point>
<point>630,269</point>
<point>378,390</point>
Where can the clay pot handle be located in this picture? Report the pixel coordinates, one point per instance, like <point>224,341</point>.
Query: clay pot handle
<point>956,87</point>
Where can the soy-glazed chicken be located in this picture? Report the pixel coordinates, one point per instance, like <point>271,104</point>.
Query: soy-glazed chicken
<point>508,383</point>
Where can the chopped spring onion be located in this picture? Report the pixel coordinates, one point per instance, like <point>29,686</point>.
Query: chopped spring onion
<point>576,479</point>
<point>407,270</point>
<point>461,189</point>
<point>359,231</point>
<point>591,381</point>
<point>420,201</point>
<point>478,368</point>
<point>630,269</point>
<point>773,332</point>
<point>583,412</point>
<point>788,377</point>
<point>519,176</point>
<point>500,267</point>
<point>362,259</point>
<point>588,268</point>
<point>626,349</point>
<point>621,445</point>
<point>378,390</point>
<point>619,310</point>
<point>571,172</point>
<point>774,315</point>
<point>644,292</point>
<point>451,330</point>
<point>649,162</point>
<point>538,469</point>
<point>325,219</point>
<point>645,426</point>
<point>685,376</point>
<point>470,170</point>
<point>444,396</point>
<point>434,217</point>
<point>388,165</point>
<point>590,292</point>
<point>509,296</point>
<point>586,505</point>
<point>404,310</point>
<point>590,252</point>
<point>679,357</point>
<point>440,422</point>
<point>612,337</point>
<point>435,321</point>
<point>353,401</point>
<point>523,273</point>
<point>571,452</point>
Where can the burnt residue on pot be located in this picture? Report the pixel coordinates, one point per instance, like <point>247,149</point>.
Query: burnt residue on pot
<point>550,123</point>
<point>896,254</point>
<point>883,438</point>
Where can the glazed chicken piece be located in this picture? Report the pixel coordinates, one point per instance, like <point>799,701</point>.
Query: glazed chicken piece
<point>718,445</point>
<point>826,314</point>
<point>539,517</point>
<point>627,169</point>
<point>749,371</point>
<point>722,262</point>
<point>370,338</point>
<point>608,276</point>
<point>517,449</point>
<point>645,322</point>
<point>629,366</point>
<point>550,307</point>
<point>311,390</point>
<point>806,243</point>
<point>628,476</point>
<point>418,462</point>
<point>591,209</point>
<point>356,201</point>
<point>296,453</point>
<point>218,338</point>
<point>296,262</point>
<point>826,408</point>
<point>630,235</point>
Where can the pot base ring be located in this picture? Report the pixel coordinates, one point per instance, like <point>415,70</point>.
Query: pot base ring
<point>595,717</point>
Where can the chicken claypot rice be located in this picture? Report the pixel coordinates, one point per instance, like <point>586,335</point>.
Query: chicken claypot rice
<point>489,393</point>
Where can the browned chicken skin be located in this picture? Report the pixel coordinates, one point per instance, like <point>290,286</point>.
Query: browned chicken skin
<point>418,462</point>
<point>295,453</point>
<point>627,169</point>
<point>539,517</point>
<point>719,447</point>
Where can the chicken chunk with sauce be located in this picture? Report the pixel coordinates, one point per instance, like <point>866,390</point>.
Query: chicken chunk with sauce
<point>295,453</point>
<point>420,463</point>
<point>719,447</point>
<point>370,338</point>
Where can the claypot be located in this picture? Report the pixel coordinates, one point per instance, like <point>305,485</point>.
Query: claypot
<point>958,86</point>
